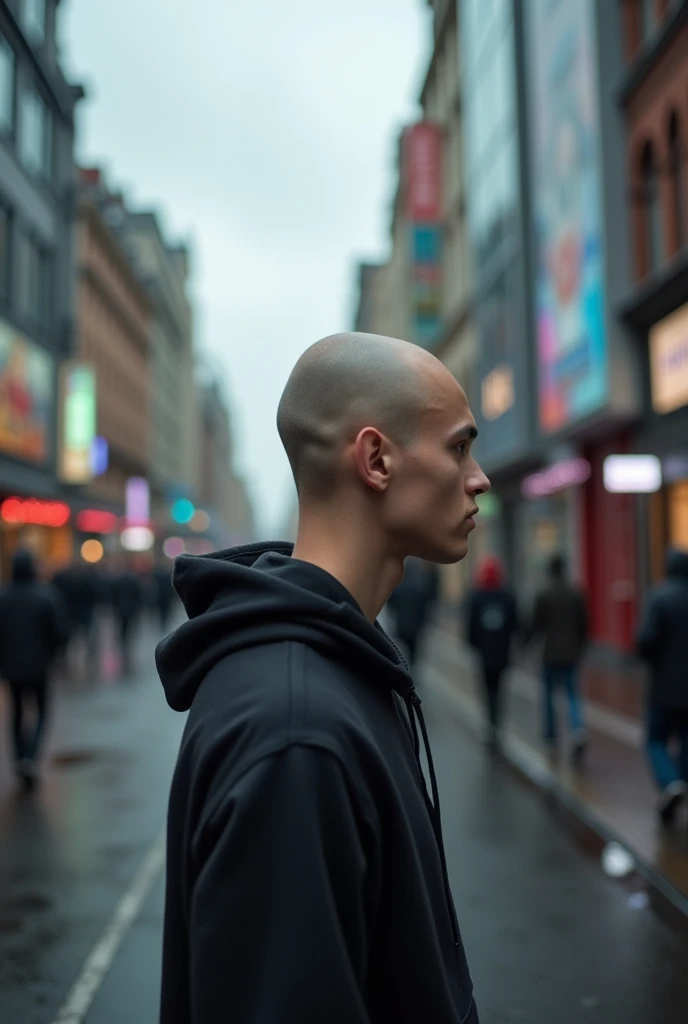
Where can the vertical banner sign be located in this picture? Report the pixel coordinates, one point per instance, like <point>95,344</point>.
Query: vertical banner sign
<point>569,300</point>
<point>78,388</point>
<point>423,206</point>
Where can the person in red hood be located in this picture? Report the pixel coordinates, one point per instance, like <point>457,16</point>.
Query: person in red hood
<point>492,622</point>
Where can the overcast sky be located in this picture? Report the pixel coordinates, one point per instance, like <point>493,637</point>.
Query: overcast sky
<point>264,130</point>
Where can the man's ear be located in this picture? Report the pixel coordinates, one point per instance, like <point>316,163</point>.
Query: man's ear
<point>373,458</point>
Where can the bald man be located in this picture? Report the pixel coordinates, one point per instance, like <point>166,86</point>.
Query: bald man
<point>307,881</point>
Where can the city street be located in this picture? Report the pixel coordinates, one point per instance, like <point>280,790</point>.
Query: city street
<point>549,936</point>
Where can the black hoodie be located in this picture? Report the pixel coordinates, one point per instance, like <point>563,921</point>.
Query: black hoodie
<point>663,635</point>
<point>306,880</point>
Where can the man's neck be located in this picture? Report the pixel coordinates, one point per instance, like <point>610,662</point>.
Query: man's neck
<point>357,560</point>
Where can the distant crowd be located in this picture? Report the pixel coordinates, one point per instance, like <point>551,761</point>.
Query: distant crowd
<point>59,624</point>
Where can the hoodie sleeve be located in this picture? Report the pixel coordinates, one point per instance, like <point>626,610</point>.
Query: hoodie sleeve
<point>278,929</point>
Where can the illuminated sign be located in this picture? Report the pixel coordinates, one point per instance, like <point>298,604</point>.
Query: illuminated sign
<point>26,397</point>
<point>31,511</point>
<point>137,501</point>
<point>567,473</point>
<point>423,159</point>
<point>498,394</point>
<point>182,511</point>
<point>95,521</point>
<point>100,456</point>
<point>669,361</point>
<point>78,422</point>
<point>137,538</point>
<point>632,474</point>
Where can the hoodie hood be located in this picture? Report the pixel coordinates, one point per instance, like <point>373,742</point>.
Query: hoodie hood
<point>677,565</point>
<point>258,594</point>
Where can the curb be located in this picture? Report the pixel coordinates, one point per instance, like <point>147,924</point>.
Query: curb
<point>533,770</point>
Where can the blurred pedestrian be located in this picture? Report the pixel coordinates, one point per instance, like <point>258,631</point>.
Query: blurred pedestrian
<point>33,627</point>
<point>306,878</point>
<point>81,591</point>
<point>127,598</point>
<point>412,603</point>
<point>492,623</point>
<point>560,619</point>
<point>663,643</point>
<point>163,593</point>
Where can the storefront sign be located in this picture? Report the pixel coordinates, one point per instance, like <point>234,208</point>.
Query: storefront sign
<point>78,422</point>
<point>567,473</point>
<point>26,397</point>
<point>422,147</point>
<point>669,361</point>
<point>498,394</point>
<point>137,501</point>
<point>32,511</point>
<point>93,520</point>
<point>422,163</point>
<point>632,474</point>
<point>569,299</point>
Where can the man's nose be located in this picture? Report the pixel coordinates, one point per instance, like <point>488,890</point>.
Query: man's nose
<point>478,482</point>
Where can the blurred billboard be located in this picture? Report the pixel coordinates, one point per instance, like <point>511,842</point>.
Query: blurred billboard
<point>26,397</point>
<point>569,287</point>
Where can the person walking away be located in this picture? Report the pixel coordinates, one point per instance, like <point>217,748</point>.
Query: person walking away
<point>663,642</point>
<point>306,875</point>
<point>412,602</point>
<point>127,597</point>
<point>33,627</point>
<point>560,619</point>
<point>492,623</point>
<point>79,586</point>
<point>164,595</point>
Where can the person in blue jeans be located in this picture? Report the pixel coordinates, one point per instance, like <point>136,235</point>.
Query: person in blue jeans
<point>560,620</point>
<point>663,642</point>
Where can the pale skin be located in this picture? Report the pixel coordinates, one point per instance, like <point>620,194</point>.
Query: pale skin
<point>391,500</point>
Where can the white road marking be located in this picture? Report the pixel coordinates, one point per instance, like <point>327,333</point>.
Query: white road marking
<point>99,961</point>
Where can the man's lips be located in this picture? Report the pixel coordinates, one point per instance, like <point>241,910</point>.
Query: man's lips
<point>470,518</point>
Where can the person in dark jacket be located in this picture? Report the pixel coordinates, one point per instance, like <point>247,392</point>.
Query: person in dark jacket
<point>663,642</point>
<point>163,593</point>
<point>79,586</point>
<point>560,619</point>
<point>492,622</point>
<point>306,874</point>
<point>33,627</point>
<point>127,599</point>
<point>412,602</point>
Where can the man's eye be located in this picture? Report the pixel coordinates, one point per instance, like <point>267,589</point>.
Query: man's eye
<point>460,448</point>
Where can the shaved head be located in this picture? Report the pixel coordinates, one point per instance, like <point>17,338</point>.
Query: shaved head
<point>339,385</point>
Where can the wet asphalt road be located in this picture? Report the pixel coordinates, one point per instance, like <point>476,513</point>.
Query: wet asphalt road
<point>550,939</point>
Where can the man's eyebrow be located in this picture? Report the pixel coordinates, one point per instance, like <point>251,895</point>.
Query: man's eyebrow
<point>466,433</point>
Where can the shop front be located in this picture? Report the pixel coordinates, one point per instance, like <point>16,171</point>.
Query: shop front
<point>42,526</point>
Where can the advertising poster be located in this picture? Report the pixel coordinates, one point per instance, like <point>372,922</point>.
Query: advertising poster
<point>26,397</point>
<point>423,163</point>
<point>571,343</point>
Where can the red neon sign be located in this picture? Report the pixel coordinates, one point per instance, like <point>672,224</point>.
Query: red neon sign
<point>92,520</point>
<point>32,511</point>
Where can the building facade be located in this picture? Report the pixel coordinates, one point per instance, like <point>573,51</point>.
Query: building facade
<point>37,198</point>
<point>654,101</point>
<point>222,493</point>
<point>114,321</point>
<point>174,423</point>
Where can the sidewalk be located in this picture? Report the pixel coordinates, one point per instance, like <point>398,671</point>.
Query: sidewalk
<point>613,792</point>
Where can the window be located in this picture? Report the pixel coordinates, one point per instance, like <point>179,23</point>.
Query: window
<point>678,179</point>
<point>33,20</point>
<point>5,248</point>
<point>7,63</point>
<point>34,280</point>
<point>35,134</point>
<point>654,233</point>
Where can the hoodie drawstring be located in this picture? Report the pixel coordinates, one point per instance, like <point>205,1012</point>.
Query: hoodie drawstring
<point>413,703</point>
